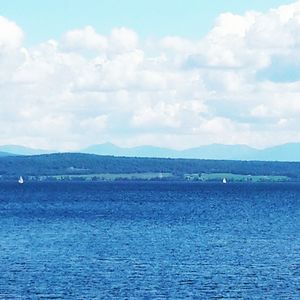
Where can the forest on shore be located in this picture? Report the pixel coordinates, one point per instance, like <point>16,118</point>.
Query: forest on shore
<point>78,166</point>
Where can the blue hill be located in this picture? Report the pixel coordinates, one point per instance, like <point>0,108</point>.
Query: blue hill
<point>286,152</point>
<point>214,151</point>
<point>21,150</point>
<point>5,154</point>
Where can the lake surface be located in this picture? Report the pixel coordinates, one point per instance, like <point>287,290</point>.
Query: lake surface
<point>149,241</point>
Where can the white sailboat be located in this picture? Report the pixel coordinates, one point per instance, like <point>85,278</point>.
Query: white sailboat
<point>224,180</point>
<point>21,180</point>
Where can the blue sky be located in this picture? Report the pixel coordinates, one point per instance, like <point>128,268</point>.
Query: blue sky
<point>166,73</point>
<point>42,20</point>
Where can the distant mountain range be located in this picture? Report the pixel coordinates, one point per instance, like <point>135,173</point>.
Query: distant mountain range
<point>215,151</point>
<point>286,152</point>
<point>5,154</point>
<point>21,150</point>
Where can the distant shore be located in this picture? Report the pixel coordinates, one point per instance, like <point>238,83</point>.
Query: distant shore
<point>88,167</point>
<point>204,177</point>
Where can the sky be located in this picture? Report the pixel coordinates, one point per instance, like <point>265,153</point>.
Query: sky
<point>176,74</point>
<point>42,20</point>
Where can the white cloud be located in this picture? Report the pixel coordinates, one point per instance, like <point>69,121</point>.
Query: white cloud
<point>123,39</point>
<point>11,35</point>
<point>232,86</point>
<point>97,124</point>
<point>161,115</point>
<point>85,38</point>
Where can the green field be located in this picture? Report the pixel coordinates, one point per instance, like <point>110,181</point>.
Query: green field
<point>201,177</point>
<point>235,177</point>
<point>105,177</point>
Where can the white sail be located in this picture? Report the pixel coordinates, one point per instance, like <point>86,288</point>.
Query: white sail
<point>21,180</point>
<point>224,180</point>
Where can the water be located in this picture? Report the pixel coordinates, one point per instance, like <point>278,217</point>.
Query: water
<point>149,241</point>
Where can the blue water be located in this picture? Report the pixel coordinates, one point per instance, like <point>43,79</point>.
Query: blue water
<point>149,241</point>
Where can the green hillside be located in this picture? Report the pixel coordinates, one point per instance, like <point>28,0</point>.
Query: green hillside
<point>75,166</point>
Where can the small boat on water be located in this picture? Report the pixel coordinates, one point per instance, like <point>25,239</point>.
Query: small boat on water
<point>21,180</point>
<point>224,180</point>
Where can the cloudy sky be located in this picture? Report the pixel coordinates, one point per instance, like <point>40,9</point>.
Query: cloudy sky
<point>178,74</point>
